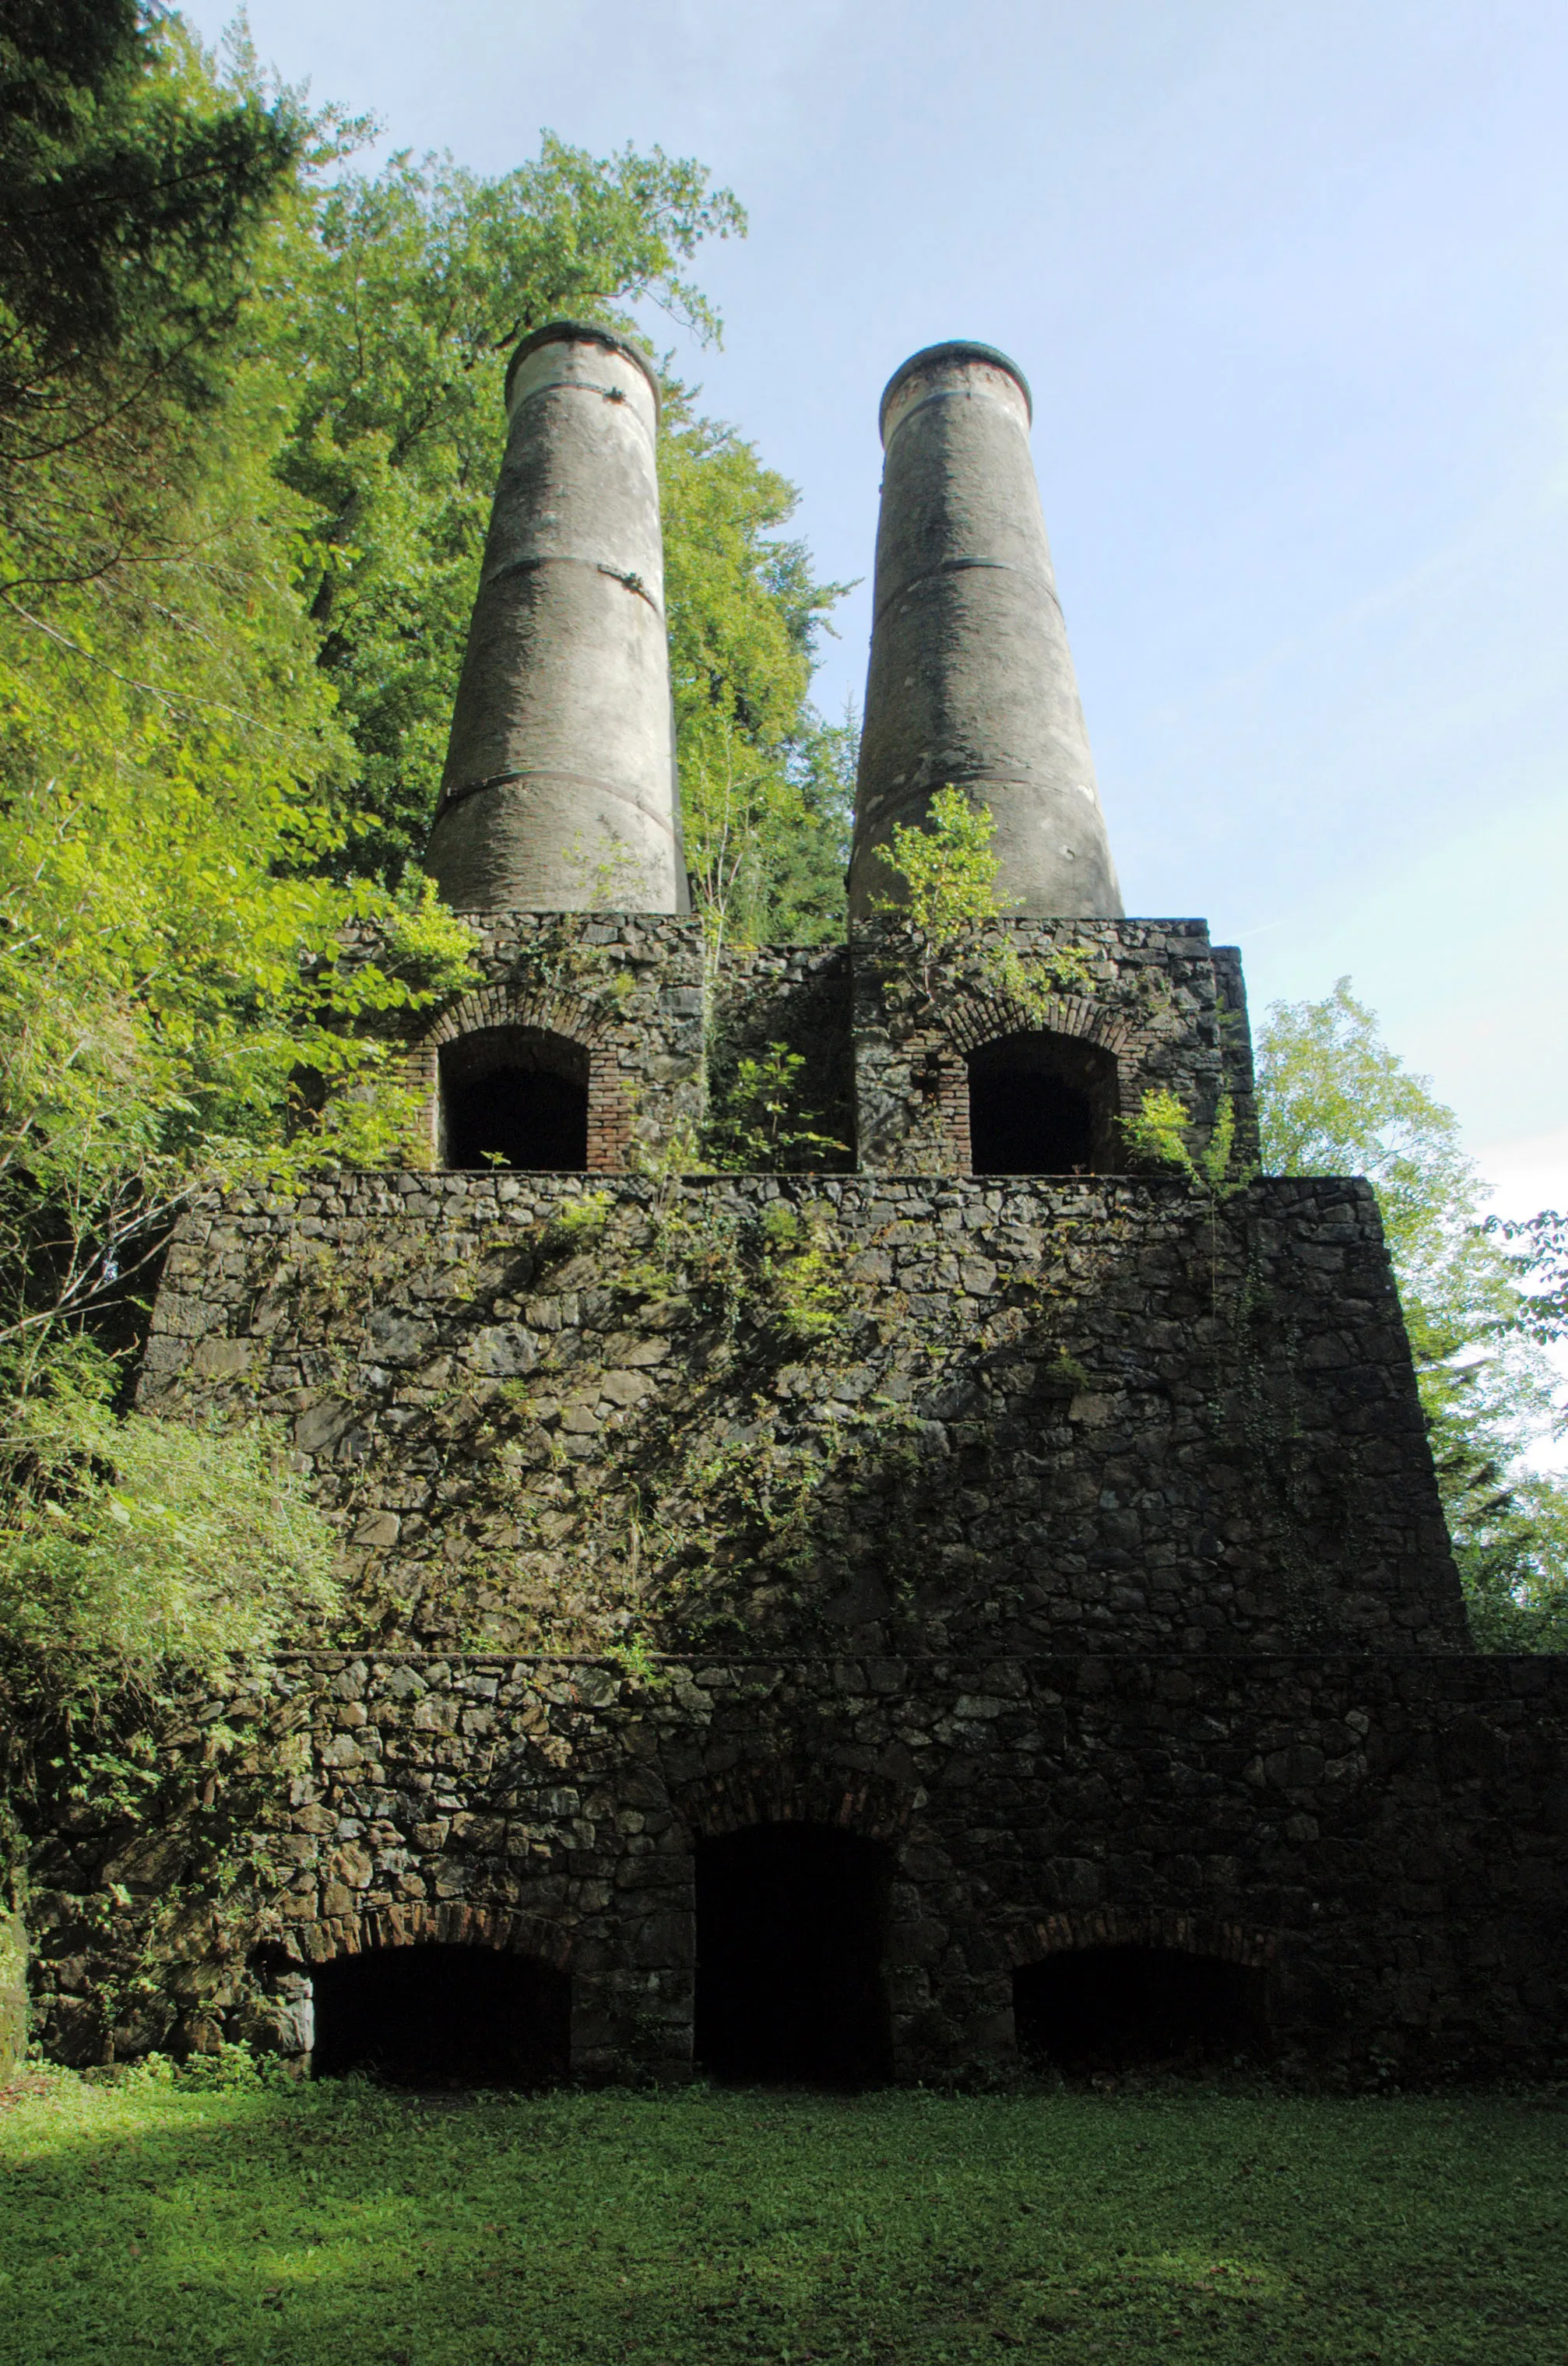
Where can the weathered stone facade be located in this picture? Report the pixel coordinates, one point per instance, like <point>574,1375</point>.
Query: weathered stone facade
<point>1050,1409</point>
<point>625,991</point>
<point>1384,1834</point>
<point>1072,1537</point>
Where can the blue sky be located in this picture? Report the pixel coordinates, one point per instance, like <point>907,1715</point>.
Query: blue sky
<point>1291,284</point>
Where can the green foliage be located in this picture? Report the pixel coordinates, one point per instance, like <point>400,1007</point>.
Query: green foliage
<point>578,1222</point>
<point>948,867</point>
<point>1540,1243</point>
<point>1061,969</point>
<point>138,1549</point>
<point>177,1008</point>
<point>184,996</point>
<point>1159,1132</point>
<point>760,1126</point>
<point>949,871</point>
<point>1335,1100</point>
<point>184,2216</point>
<point>766,787</point>
<point>136,1559</point>
<point>131,193</point>
<point>802,1275</point>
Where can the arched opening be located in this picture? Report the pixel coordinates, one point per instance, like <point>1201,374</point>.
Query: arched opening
<point>791,1925</point>
<point>514,1097</point>
<point>437,2016</point>
<point>1136,2008</point>
<point>1043,1104</point>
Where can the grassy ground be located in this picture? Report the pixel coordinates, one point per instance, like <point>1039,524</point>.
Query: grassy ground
<point>157,2218</point>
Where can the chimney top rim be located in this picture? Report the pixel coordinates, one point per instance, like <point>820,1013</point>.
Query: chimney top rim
<point>585,333</point>
<point>952,349</point>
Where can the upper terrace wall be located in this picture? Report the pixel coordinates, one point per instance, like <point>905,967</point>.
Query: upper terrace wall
<point>625,988</point>
<point>885,1031</point>
<point>1167,1007</point>
<point>552,1414</point>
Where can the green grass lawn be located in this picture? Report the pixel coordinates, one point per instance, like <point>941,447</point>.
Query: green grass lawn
<point>156,2217</point>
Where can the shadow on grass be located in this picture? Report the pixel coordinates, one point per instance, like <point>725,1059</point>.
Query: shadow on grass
<point>231,2226</point>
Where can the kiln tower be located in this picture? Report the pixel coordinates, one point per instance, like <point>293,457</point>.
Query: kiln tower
<point>559,793</point>
<point>971,678</point>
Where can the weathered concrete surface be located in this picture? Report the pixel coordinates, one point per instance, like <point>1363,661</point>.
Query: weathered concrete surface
<point>971,678</point>
<point>559,793</point>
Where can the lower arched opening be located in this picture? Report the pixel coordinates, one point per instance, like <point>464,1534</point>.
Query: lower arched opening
<point>1111,2009</point>
<point>792,1923</point>
<point>439,2016</point>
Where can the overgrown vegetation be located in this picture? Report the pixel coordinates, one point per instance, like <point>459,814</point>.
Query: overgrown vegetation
<point>191,2219</point>
<point>762,1122</point>
<point>946,867</point>
<point>250,423</point>
<point>1161,1132</point>
<point>1482,1301</point>
<point>136,1555</point>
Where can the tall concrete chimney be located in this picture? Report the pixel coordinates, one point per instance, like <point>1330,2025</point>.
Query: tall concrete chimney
<point>559,792</point>
<point>971,680</point>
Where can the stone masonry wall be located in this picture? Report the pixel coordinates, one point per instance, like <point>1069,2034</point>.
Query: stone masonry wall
<point>556,1413</point>
<point>626,987</point>
<point>1075,1538</point>
<point>631,990</point>
<point>1164,1003</point>
<point>1385,1835</point>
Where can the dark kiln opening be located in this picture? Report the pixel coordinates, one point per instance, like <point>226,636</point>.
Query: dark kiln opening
<point>791,1922</point>
<point>1126,2008</point>
<point>1041,1104</point>
<point>433,2016</point>
<point>514,1097</point>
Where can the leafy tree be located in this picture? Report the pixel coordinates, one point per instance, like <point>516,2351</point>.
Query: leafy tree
<point>172,948</point>
<point>131,192</point>
<point>127,209</point>
<point>393,302</point>
<point>171,953</point>
<point>766,788</point>
<point>1335,1100</point>
<point>1541,1244</point>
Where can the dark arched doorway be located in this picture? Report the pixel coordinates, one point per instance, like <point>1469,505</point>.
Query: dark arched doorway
<point>1126,2008</point>
<point>791,1922</point>
<point>1043,1104</point>
<point>514,1097</point>
<point>437,2016</point>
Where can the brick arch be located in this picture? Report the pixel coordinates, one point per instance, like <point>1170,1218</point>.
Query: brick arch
<point>792,1792</point>
<point>555,1011</point>
<point>976,1020</point>
<point>1116,1926</point>
<point>504,1929</point>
